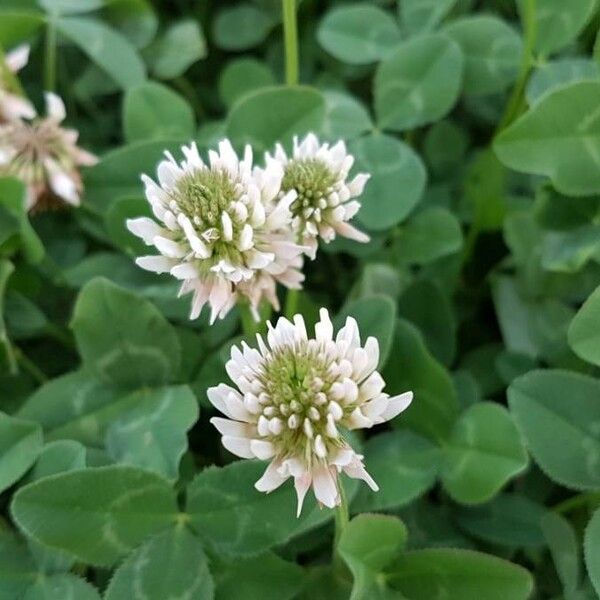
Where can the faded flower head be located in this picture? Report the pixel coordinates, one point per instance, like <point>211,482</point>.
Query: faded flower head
<point>318,174</point>
<point>45,156</point>
<point>295,398</point>
<point>224,231</point>
<point>12,104</point>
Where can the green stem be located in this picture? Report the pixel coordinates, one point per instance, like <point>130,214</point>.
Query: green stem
<point>341,521</point>
<point>50,58</point>
<point>590,499</point>
<point>250,326</point>
<point>516,102</point>
<point>291,303</point>
<point>290,34</point>
<point>11,359</point>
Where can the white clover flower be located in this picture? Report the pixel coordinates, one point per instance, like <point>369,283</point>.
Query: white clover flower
<point>295,397</point>
<point>224,231</point>
<point>45,156</point>
<point>318,174</point>
<point>12,105</point>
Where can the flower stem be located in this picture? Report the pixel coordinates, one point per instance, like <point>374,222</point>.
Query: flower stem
<point>30,366</point>
<point>341,521</point>
<point>515,103</point>
<point>588,499</point>
<point>291,303</point>
<point>250,326</point>
<point>290,34</point>
<point>50,59</point>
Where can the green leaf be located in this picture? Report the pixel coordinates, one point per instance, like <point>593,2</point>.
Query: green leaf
<point>236,519</point>
<point>117,175</point>
<point>444,148</point>
<point>584,331</point>
<point>564,547</point>
<point>459,575</point>
<point>552,75</point>
<point>97,515</point>
<point>376,317</point>
<point>17,569</point>
<point>65,7</point>
<point>77,406</point>
<point>106,47</point>
<point>492,51</point>
<point>135,345</point>
<point>358,34</point>
<point>423,16</point>
<point>242,76</point>
<point>559,137</point>
<point>154,436</point>
<point>429,308</point>
<point>435,407</point>
<point>368,544</point>
<point>508,520</point>
<point>397,181</point>
<point>178,49</point>
<point>17,26</point>
<point>64,586</point>
<point>275,114</point>
<point>152,110</point>
<point>58,457</point>
<point>592,550</point>
<point>241,27</point>
<point>136,19</point>
<point>345,117</point>
<point>116,226</point>
<point>14,223</point>
<point>570,251</point>
<point>403,464</point>
<point>418,83</point>
<point>265,576</point>
<point>20,445</point>
<point>560,405</point>
<point>170,564</point>
<point>558,23</point>
<point>430,235</point>
<point>483,453</point>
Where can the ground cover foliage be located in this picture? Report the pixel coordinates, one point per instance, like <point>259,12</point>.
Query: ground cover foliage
<point>479,122</point>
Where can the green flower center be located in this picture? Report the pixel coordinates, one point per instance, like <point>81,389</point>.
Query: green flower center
<point>313,181</point>
<point>203,196</point>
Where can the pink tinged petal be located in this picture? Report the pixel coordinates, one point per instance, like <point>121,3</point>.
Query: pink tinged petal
<point>343,457</point>
<point>350,209</point>
<point>144,228</point>
<point>168,247</point>
<point>200,299</point>
<point>324,327</point>
<point>218,298</point>
<point>324,487</point>
<point>17,58</point>
<point>375,408</point>
<point>271,479</point>
<point>356,470</point>
<point>357,420</point>
<point>357,185</point>
<point>64,187</point>
<point>372,386</point>
<point>14,107</point>
<point>396,405</point>
<point>184,270</point>
<point>156,264</point>
<point>168,174</point>
<point>238,446</point>
<point>86,159</point>
<point>217,396</point>
<point>262,449</point>
<point>302,484</point>
<point>257,260</point>
<point>232,428</point>
<point>55,107</point>
<point>348,231</point>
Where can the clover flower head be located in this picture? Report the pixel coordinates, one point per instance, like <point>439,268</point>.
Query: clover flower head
<point>45,156</point>
<point>223,229</point>
<point>295,397</point>
<point>318,173</point>
<point>12,105</point>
